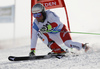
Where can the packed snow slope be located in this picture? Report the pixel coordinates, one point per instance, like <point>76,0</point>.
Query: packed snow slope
<point>90,60</point>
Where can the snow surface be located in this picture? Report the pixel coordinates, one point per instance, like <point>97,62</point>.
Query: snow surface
<point>89,60</point>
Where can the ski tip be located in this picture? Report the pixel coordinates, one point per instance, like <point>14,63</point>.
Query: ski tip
<point>11,58</point>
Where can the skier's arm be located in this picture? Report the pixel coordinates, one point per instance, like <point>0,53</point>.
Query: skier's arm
<point>54,19</point>
<point>53,23</point>
<point>34,39</point>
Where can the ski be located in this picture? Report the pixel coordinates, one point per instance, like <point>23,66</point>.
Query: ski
<point>22,58</point>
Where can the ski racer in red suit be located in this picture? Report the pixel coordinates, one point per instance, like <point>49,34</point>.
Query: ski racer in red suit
<point>44,27</point>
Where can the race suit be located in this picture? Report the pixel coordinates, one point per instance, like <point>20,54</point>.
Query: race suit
<point>53,39</point>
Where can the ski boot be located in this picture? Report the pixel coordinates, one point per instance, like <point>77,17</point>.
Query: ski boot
<point>58,55</point>
<point>85,47</point>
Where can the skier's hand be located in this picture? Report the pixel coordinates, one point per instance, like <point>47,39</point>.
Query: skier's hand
<point>46,28</point>
<point>32,53</point>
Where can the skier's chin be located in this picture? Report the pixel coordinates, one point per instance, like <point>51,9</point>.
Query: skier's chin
<point>40,20</point>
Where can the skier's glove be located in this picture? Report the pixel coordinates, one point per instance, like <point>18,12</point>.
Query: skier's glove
<point>46,28</point>
<point>32,53</point>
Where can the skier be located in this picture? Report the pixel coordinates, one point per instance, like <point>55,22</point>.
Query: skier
<point>51,31</point>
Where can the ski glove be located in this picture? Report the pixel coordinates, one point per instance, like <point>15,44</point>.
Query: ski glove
<point>46,28</point>
<point>32,53</point>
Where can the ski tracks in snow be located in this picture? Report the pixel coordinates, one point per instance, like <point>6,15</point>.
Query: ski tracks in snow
<point>83,61</point>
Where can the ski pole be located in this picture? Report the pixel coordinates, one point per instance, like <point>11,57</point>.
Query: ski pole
<point>86,33</point>
<point>76,32</point>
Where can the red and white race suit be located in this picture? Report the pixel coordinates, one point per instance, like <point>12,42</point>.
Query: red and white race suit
<point>53,39</point>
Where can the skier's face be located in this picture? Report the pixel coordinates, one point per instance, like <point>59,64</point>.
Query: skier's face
<point>38,16</point>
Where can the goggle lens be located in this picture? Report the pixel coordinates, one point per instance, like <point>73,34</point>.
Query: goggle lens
<point>37,15</point>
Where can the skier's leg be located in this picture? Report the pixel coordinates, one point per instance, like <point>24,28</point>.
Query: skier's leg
<point>43,38</point>
<point>55,48</point>
<point>71,44</point>
<point>65,35</point>
<point>53,45</point>
<point>50,43</point>
<point>66,38</point>
<point>77,45</point>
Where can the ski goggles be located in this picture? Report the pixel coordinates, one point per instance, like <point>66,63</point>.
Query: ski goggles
<point>37,15</point>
